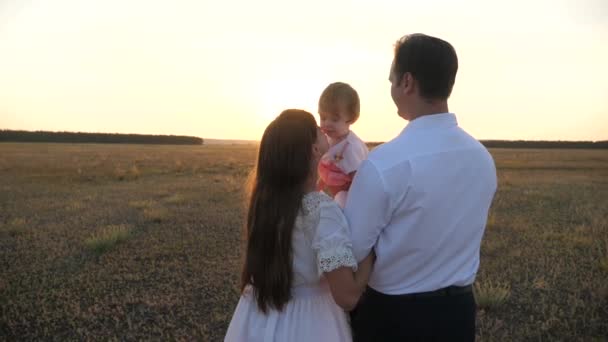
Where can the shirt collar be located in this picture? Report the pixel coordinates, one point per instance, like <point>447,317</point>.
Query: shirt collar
<point>347,137</point>
<point>433,121</point>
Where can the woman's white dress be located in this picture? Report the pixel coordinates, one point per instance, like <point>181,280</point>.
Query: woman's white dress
<point>321,243</point>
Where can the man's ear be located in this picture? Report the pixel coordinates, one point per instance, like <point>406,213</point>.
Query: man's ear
<point>407,83</point>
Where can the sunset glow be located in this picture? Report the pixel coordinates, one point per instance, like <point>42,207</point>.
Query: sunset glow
<point>528,70</point>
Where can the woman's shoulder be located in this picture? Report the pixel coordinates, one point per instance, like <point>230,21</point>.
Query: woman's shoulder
<point>312,201</point>
<point>310,212</point>
<point>317,205</point>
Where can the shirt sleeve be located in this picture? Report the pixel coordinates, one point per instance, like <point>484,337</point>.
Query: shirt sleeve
<point>355,153</point>
<point>331,241</point>
<point>367,209</point>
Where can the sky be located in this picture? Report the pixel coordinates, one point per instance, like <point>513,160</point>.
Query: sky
<point>528,69</point>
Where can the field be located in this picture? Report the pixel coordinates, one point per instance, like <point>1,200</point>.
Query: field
<point>130,242</point>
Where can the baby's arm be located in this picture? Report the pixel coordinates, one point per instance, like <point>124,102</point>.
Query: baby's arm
<point>332,178</point>
<point>341,191</point>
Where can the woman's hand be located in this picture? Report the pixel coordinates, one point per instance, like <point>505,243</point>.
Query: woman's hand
<point>364,270</point>
<point>348,286</point>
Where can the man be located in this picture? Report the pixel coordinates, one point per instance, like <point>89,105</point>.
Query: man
<point>421,202</point>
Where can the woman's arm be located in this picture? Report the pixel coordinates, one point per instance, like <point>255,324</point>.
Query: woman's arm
<point>335,258</point>
<point>347,286</point>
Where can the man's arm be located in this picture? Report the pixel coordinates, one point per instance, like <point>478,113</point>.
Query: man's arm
<point>367,209</point>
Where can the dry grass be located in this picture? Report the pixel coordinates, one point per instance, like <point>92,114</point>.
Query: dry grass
<point>603,262</point>
<point>544,258</point>
<point>16,226</point>
<point>489,295</point>
<point>176,199</point>
<point>156,214</point>
<point>122,174</point>
<point>141,204</point>
<point>107,238</point>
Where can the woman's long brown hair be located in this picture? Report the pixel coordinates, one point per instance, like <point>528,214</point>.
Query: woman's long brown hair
<point>282,170</point>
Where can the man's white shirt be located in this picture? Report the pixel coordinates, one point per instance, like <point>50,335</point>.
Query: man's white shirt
<point>421,201</point>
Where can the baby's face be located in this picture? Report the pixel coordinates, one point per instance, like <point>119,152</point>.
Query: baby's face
<point>335,124</point>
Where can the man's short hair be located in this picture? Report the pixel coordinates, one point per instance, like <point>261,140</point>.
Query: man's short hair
<point>431,61</point>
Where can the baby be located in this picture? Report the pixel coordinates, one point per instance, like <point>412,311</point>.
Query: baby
<point>338,109</point>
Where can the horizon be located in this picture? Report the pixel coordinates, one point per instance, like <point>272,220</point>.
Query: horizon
<point>257,140</point>
<point>536,71</point>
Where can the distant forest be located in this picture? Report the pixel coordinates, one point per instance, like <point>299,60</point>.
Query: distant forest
<point>97,138</point>
<point>535,144</point>
<point>544,144</point>
<point>115,138</point>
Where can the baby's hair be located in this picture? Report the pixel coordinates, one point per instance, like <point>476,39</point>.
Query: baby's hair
<point>340,95</point>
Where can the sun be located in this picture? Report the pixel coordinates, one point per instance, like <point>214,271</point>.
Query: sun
<point>276,95</point>
<point>291,79</point>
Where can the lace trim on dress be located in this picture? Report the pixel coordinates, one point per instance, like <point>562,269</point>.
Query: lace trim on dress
<point>312,200</point>
<point>331,259</point>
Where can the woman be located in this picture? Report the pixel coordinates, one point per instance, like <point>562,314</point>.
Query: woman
<point>299,273</point>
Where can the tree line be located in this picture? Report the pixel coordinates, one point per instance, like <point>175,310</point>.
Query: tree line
<point>544,144</point>
<point>535,144</point>
<point>116,138</point>
<point>98,138</point>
